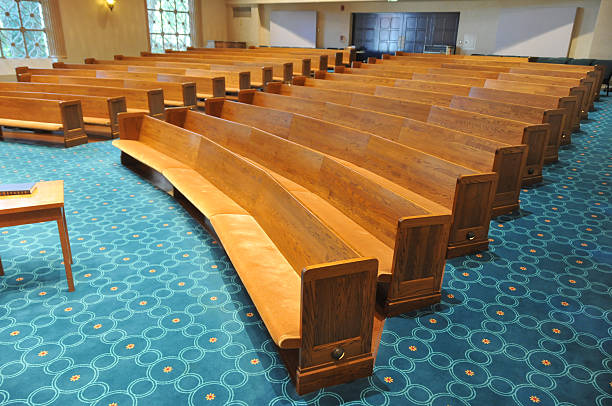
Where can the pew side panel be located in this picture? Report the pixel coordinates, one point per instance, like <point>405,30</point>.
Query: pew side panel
<point>512,132</point>
<point>518,112</point>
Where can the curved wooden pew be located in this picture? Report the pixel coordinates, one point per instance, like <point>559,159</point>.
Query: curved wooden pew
<point>473,152</point>
<point>314,293</point>
<point>50,120</point>
<point>376,221</point>
<point>97,111</point>
<point>260,75</point>
<point>461,86</point>
<point>281,69</point>
<point>348,54</point>
<point>300,65</point>
<point>175,94</point>
<point>512,132</point>
<point>317,62</point>
<point>466,193</point>
<point>208,83</point>
<point>149,101</point>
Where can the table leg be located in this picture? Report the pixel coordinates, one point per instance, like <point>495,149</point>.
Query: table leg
<point>1,268</point>
<point>63,234</point>
<point>67,239</point>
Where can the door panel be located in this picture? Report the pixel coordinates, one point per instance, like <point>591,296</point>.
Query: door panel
<point>378,33</point>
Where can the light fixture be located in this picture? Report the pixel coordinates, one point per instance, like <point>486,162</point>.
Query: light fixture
<point>110,4</point>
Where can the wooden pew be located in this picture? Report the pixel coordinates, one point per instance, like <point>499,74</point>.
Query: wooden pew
<point>207,82</point>
<point>286,257</point>
<point>549,90</point>
<point>536,136</point>
<point>461,86</point>
<point>480,154</point>
<point>260,75</point>
<point>428,92</point>
<point>375,70</point>
<point>137,100</point>
<point>348,54</point>
<point>589,73</point>
<point>301,65</point>
<point>44,117</point>
<point>175,94</point>
<point>494,72</point>
<point>384,161</point>
<point>595,72</point>
<point>317,62</point>
<point>374,220</point>
<point>99,113</point>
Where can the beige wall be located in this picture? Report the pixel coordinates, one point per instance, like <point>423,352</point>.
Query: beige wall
<point>479,17</point>
<point>601,47</point>
<point>91,30</point>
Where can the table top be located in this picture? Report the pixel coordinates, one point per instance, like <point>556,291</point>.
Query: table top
<point>47,195</point>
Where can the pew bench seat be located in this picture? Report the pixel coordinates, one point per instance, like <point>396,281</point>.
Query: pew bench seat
<point>201,193</point>
<point>148,155</point>
<point>246,244</point>
<point>34,125</point>
<point>288,260</point>
<point>97,121</point>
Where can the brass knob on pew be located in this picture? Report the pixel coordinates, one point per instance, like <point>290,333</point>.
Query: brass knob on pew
<point>530,171</point>
<point>470,236</point>
<point>337,353</point>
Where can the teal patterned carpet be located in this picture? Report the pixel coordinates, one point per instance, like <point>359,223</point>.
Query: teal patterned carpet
<point>159,316</point>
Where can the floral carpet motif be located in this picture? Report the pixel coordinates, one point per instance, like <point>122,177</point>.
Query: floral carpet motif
<point>160,317</point>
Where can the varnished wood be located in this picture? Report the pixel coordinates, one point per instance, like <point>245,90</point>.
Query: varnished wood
<point>45,204</point>
<point>147,100</point>
<point>320,177</point>
<point>99,111</point>
<point>175,94</point>
<point>65,117</point>
<point>305,242</point>
<point>471,151</point>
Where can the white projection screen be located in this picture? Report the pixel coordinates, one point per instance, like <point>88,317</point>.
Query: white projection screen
<point>535,31</point>
<point>293,29</point>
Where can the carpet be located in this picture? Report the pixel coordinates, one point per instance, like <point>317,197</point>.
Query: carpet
<point>160,317</point>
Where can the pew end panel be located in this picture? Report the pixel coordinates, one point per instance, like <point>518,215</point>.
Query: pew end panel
<point>130,125</point>
<point>556,119</point>
<point>418,264</point>
<point>510,163</point>
<point>273,87</point>
<point>536,136</point>
<point>299,80</point>
<point>116,105</point>
<point>337,309</point>
<point>155,101</point>
<point>474,196</point>
<point>569,105</point>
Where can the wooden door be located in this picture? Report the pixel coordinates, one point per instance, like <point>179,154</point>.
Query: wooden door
<point>377,33</point>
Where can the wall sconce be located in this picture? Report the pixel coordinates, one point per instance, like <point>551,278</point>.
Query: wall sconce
<point>110,4</point>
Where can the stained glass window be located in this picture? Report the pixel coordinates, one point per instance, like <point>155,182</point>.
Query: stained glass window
<point>170,24</point>
<point>23,33</point>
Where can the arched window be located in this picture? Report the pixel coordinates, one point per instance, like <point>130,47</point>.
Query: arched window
<point>28,29</point>
<point>171,24</point>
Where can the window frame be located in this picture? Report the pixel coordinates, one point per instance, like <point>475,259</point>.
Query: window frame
<point>194,23</point>
<point>52,29</point>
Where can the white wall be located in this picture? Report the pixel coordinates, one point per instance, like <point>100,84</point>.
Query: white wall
<point>478,17</point>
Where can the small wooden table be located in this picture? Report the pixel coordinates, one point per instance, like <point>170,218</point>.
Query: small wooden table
<point>45,204</point>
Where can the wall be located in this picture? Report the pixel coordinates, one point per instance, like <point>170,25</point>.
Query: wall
<point>602,36</point>
<point>91,30</point>
<point>479,17</point>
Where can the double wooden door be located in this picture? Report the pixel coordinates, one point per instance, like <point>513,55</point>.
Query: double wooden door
<point>407,32</point>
